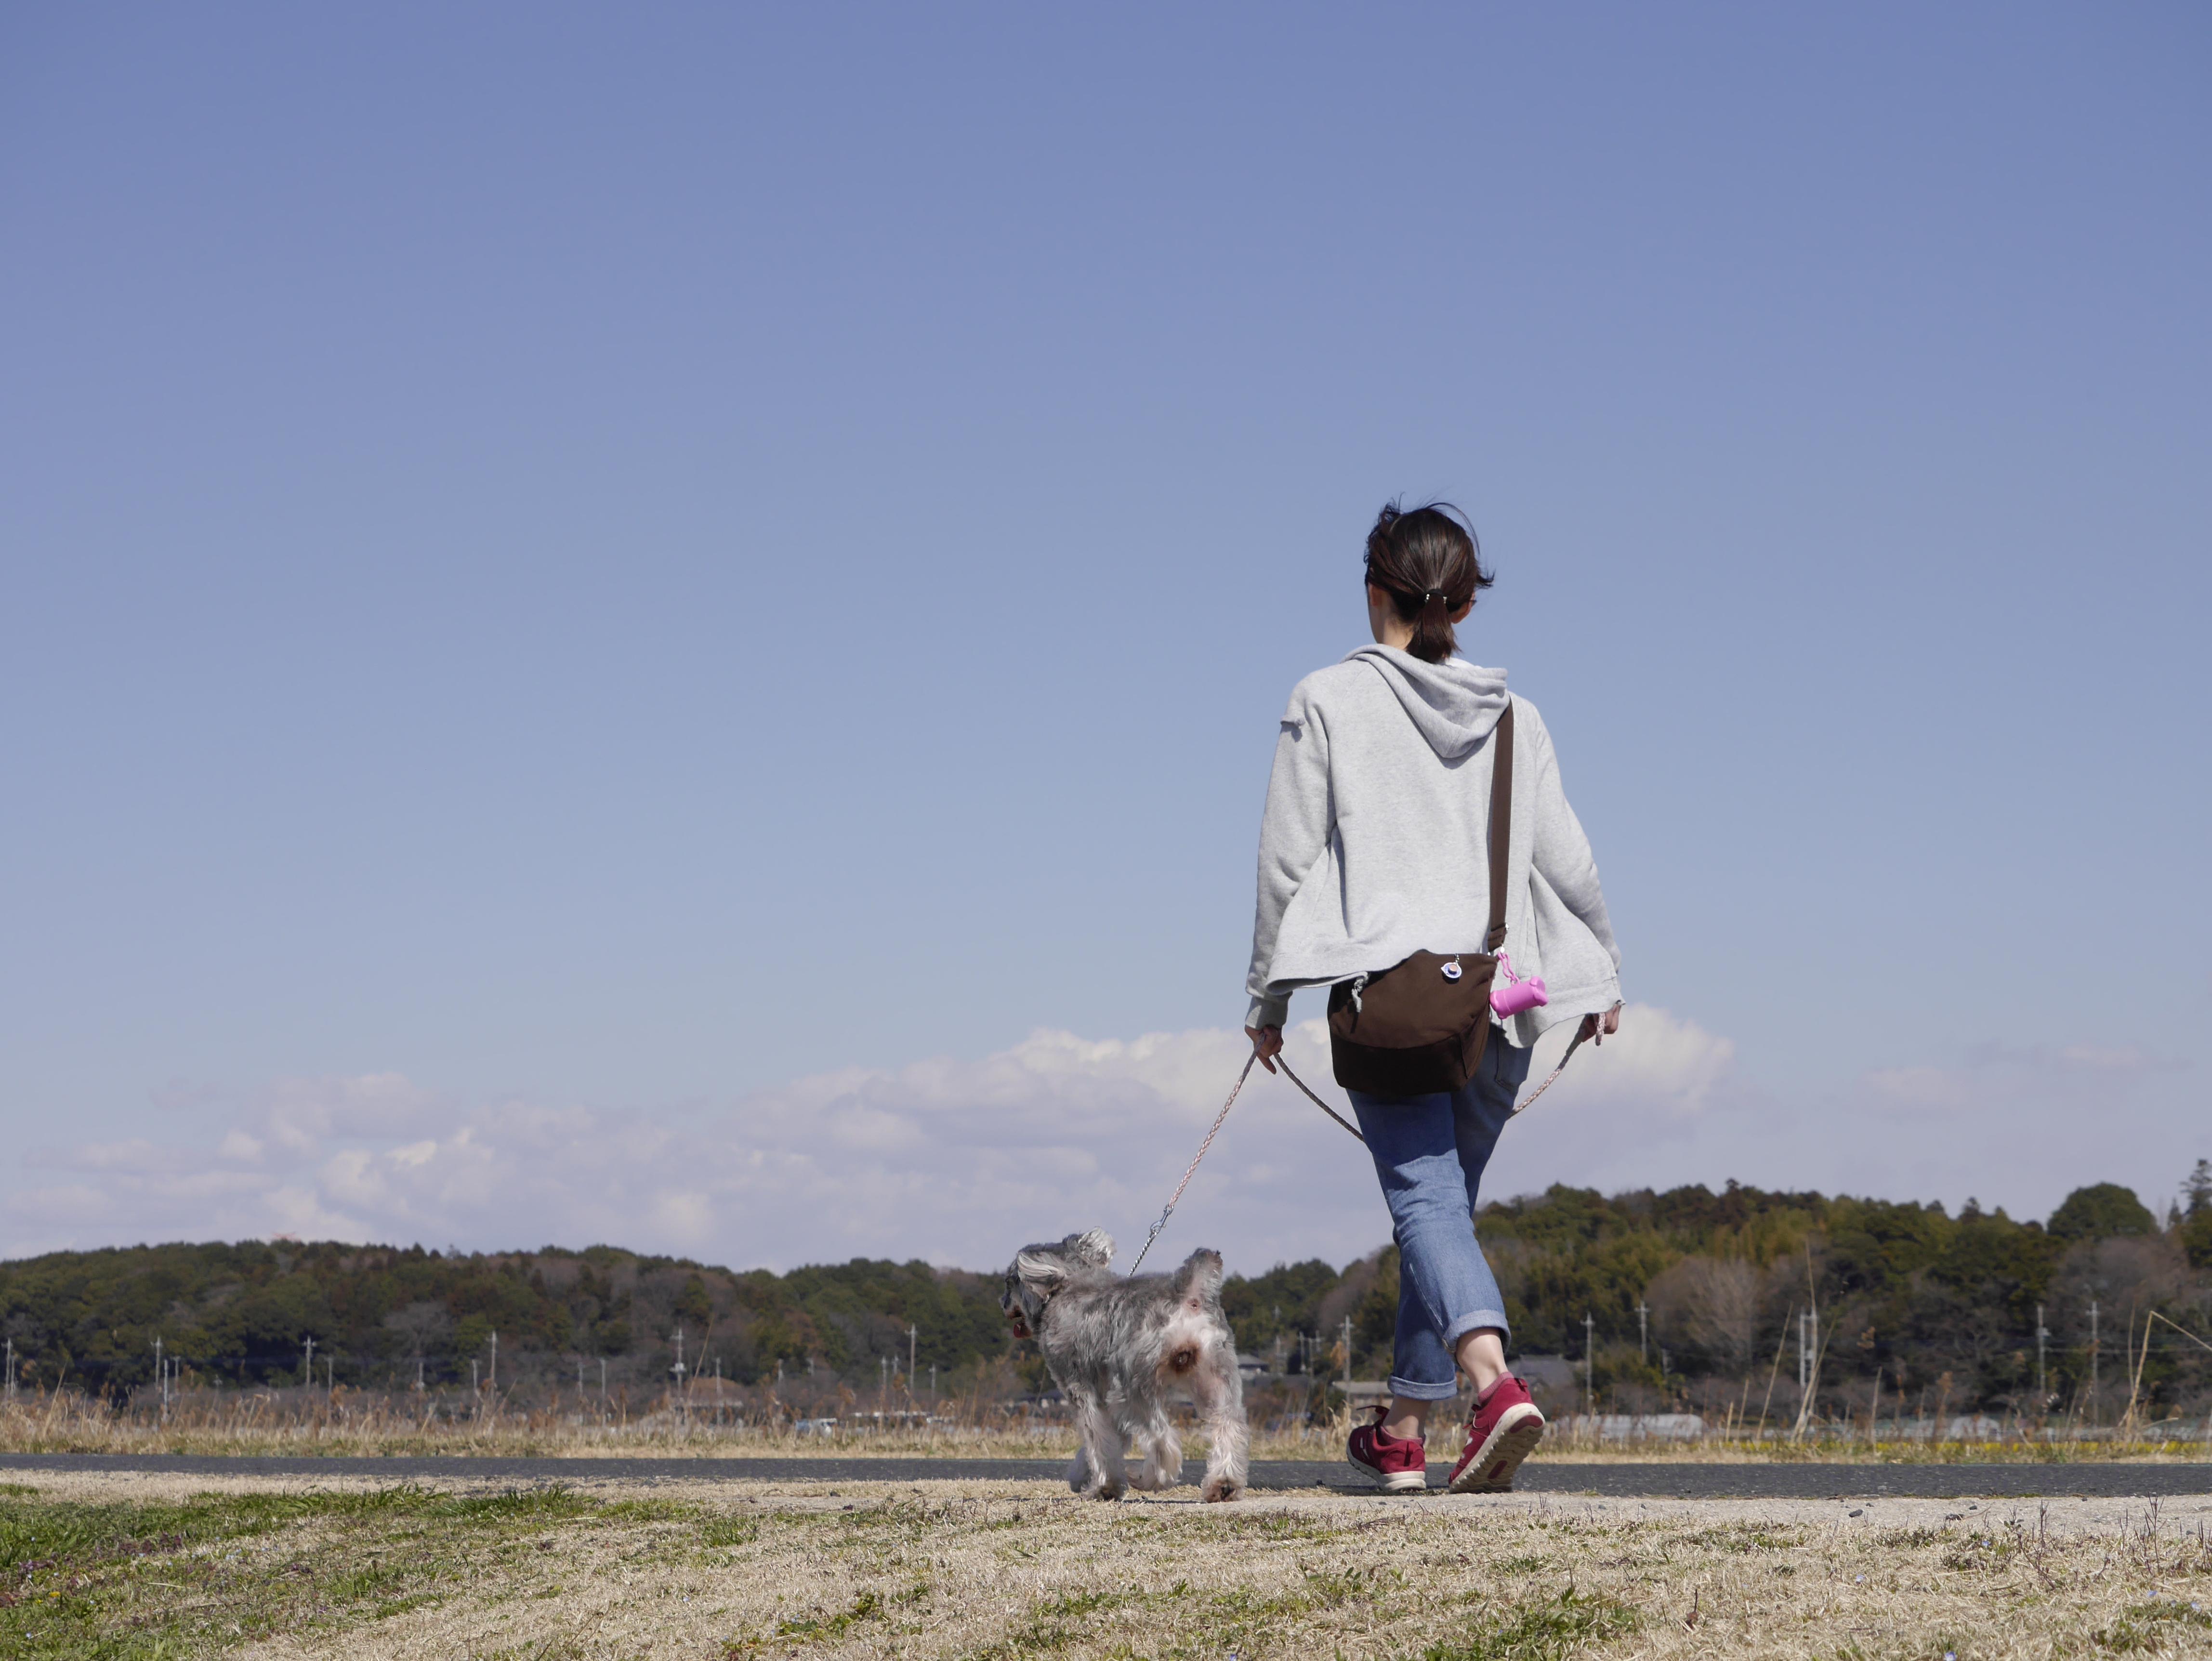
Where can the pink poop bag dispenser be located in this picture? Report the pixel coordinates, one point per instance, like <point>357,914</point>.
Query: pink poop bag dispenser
<point>1516,994</point>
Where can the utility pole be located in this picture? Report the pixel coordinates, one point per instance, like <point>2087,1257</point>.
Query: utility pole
<point>495,1361</point>
<point>912,1340</point>
<point>2042,1336</point>
<point>307,1367</point>
<point>603,1378</point>
<point>679,1369</point>
<point>1348,1355</point>
<point>11,1366</point>
<point>579,1381</point>
<point>2093,1355</point>
<point>330,1374</point>
<point>476,1380</point>
<point>1589,1363</point>
<point>933,1381</point>
<point>882,1388</point>
<point>1642,1331</point>
<point>163,1373</point>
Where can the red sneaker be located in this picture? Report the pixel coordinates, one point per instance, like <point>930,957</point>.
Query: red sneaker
<point>1399,1464</point>
<point>1505,1430</point>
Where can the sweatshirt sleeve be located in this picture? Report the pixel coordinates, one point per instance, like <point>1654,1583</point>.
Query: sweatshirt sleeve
<point>1560,852</point>
<point>1293,832</point>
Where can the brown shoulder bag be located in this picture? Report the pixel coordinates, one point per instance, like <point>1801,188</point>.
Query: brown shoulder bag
<point>1421,1025</point>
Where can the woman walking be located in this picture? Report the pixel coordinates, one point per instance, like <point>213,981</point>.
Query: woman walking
<point>1375,856</point>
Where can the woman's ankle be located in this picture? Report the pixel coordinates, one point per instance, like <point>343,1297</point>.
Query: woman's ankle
<point>1405,1421</point>
<point>1482,1358</point>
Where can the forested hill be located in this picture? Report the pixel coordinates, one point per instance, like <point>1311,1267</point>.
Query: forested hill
<point>1908,1289</point>
<point>244,1313</point>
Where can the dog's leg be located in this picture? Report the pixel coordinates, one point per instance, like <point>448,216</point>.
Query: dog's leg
<point>1165,1451</point>
<point>1156,1435</point>
<point>1101,1447</point>
<point>1078,1470</point>
<point>1219,1391</point>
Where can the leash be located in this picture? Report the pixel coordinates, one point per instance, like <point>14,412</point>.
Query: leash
<point>1320,1104</point>
<point>1551,1077</point>
<point>1176,1198</point>
<point>1168,1210</point>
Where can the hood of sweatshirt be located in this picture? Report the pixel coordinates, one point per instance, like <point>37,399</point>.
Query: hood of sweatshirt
<point>1453,703</point>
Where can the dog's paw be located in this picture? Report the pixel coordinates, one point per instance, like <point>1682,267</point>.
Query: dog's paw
<point>1107,1491</point>
<point>1221,1488</point>
<point>1078,1473</point>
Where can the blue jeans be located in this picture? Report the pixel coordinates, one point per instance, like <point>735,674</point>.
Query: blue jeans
<point>1430,1152</point>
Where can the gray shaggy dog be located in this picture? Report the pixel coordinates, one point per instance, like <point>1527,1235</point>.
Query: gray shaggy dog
<point>1117,1347</point>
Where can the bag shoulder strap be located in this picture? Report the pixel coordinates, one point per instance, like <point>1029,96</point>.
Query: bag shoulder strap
<point>1501,826</point>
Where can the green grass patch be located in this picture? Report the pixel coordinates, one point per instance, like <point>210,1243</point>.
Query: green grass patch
<point>1745,1537</point>
<point>1912,1539</point>
<point>718,1531</point>
<point>815,1627</point>
<point>120,1582</point>
<point>2163,1623</point>
<point>1547,1631</point>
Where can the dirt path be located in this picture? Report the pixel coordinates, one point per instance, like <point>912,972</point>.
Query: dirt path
<point>347,1565</point>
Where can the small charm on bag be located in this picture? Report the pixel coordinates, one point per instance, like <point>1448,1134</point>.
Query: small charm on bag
<point>1513,995</point>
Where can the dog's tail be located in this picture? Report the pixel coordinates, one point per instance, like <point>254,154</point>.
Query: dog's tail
<point>1199,1281</point>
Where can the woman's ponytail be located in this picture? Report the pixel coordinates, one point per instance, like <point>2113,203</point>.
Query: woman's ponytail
<point>1427,561</point>
<point>1433,640</point>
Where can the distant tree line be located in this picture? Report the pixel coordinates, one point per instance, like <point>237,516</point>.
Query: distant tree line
<point>1929,1301</point>
<point>1688,1293</point>
<point>381,1316</point>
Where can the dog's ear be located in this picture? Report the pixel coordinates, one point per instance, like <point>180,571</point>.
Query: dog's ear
<point>1095,1247</point>
<point>1041,1274</point>
<point>1199,1275</point>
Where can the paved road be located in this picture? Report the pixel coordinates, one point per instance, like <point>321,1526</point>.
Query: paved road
<point>1686,1481</point>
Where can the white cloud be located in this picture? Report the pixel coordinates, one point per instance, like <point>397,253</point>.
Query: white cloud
<point>962,1161</point>
<point>950,1159</point>
<point>1656,1065</point>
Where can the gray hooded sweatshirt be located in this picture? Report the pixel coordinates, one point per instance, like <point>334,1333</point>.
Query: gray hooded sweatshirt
<point>1376,841</point>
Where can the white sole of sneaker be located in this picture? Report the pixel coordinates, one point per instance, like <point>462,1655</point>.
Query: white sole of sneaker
<point>1393,1481</point>
<point>1514,1438</point>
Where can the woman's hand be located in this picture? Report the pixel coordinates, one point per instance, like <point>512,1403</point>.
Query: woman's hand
<point>1598,1028</point>
<point>1267,1044</point>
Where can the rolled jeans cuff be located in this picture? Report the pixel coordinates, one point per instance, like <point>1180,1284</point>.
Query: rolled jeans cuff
<point>1494,1319</point>
<point>1413,1391</point>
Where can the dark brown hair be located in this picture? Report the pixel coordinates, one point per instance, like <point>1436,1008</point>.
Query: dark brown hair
<point>1427,561</point>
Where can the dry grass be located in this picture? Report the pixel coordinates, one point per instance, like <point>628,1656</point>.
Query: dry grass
<point>349,1424</point>
<point>128,1566</point>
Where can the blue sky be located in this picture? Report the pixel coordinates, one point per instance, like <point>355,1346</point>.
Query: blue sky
<point>624,568</point>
